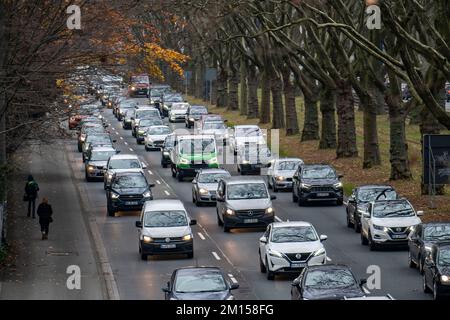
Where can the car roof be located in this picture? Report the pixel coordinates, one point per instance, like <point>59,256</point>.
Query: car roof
<point>160,126</point>
<point>129,173</point>
<point>124,156</point>
<point>288,159</point>
<point>328,266</point>
<point>165,204</point>
<point>145,107</point>
<point>105,148</point>
<point>291,224</point>
<point>206,171</point>
<point>187,270</point>
<point>376,186</point>
<point>247,126</point>
<point>240,179</point>
<point>195,136</point>
<point>317,166</point>
<point>435,223</point>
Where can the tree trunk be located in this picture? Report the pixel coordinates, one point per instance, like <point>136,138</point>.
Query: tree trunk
<point>191,84</point>
<point>276,87</point>
<point>199,81</point>
<point>311,122</point>
<point>289,101</point>
<point>252,99</point>
<point>327,108</point>
<point>233,85</point>
<point>222,88</point>
<point>243,96</point>
<point>265,97</point>
<point>346,147</point>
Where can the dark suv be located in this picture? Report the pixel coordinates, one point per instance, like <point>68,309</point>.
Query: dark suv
<point>317,182</point>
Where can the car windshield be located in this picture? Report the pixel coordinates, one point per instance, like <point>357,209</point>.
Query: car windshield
<point>98,138</point>
<point>214,125</point>
<point>197,146</point>
<point>212,177</point>
<point>98,129</point>
<point>444,257</point>
<point>127,104</point>
<point>169,142</point>
<point>288,165</point>
<point>245,132</point>
<point>200,282</point>
<point>150,122</point>
<point>124,164</point>
<point>198,111</point>
<point>392,209</point>
<point>436,232</point>
<point>147,113</point>
<point>174,99</point>
<point>318,173</point>
<point>133,181</point>
<point>156,93</point>
<point>293,234</point>
<point>102,155</point>
<point>247,191</point>
<point>161,219</point>
<point>327,279</point>
<point>158,130</point>
<point>369,195</point>
<point>182,107</point>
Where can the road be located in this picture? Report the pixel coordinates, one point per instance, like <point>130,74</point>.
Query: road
<point>236,252</point>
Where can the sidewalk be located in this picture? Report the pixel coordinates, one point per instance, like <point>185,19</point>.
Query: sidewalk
<point>39,271</point>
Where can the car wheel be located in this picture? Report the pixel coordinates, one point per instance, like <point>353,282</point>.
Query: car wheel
<point>146,148</point>
<point>294,197</point>
<point>180,176</point>
<point>144,256</point>
<point>270,274</point>
<point>357,225</point>
<point>340,202</point>
<point>275,189</point>
<point>424,285</point>
<point>300,201</point>
<point>372,244</point>
<point>262,267</point>
<point>436,295</point>
<point>190,255</point>
<point>411,263</point>
<point>80,148</point>
<point>174,172</point>
<point>349,223</point>
<point>363,240</point>
<point>163,164</point>
<point>193,197</point>
<point>225,227</point>
<point>111,211</point>
<point>88,179</point>
<point>219,221</point>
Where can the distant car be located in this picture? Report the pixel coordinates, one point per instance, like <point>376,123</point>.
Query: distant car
<point>164,227</point>
<point>96,160</point>
<point>199,283</point>
<point>154,137</point>
<point>88,128</point>
<point>142,112</point>
<point>122,163</point>
<point>123,106</point>
<point>360,198</point>
<point>290,247</point>
<point>251,158</point>
<point>144,126</point>
<point>315,182</point>
<point>74,121</point>
<point>204,185</point>
<point>168,100</point>
<point>166,149</point>
<point>420,241</point>
<point>128,191</point>
<point>193,114</point>
<point>326,282</point>
<point>436,271</point>
<point>245,134</point>
<point>244,203</point>
<point>281,171</point>
<point>126,118</point>
<point>178,111</point>
<point>208,118</point>
<point>99,139</point>
<point>388,222</point>
<point>216,128</point>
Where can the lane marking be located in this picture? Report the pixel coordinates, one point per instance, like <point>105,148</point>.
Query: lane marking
<point>232,278</point>
<point>126,143</point>
<point>216,255</point>
<point>158,182</point>
<point>121,138</point>
<point>167,192</point>
<point>117,133</point>
<point>329,259</point>
<point>201,235</point>
<point>278,219</point>
<point>150,172</point>
<point>131,150</point>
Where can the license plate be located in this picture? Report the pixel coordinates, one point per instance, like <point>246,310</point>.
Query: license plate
<point>168,246</point>
<point>131,203</point>
<point>298,265</point>
<point>250,220</point>
<point>324,194</point>
<point>398,236</point>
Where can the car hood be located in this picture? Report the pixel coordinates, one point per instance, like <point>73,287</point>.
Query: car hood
<point>396,222</point>
<point>444,270</point>
<point>125,191</point>
<point>157,136</point>
<point>255,139</point>
<point>177,112</point>
<point>208,186</point>
<point>284,173</point>
<point>195,116</point>
<point>296,247</point>
<point>247,204</point>
<point>214,131</point>
<point>167,232</point>
<point>97,163</point>
<point>124,170</point>
<point>333,294</point>
<point>221,295</point>
<point>316,182</point>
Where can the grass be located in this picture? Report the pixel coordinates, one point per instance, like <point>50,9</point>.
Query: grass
<point>351,168</point>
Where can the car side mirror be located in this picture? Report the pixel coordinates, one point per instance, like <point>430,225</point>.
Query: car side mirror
<point>234,286</point>
<point>296,282</point>
<point>362,282</point>
<point>194,181</point>
<point>193,222</point>
<point>151,185</point>
<point>114,141</point>
<point>138,224</point>
<point>220,199</point>
<point>323,237</point>
<point>272,197</point>
<point>107,188</point>
<point>166,289</point>
<point>144,166</point>
<point>340,176</point>
<point>420,213</point>
<point>118,151</point>
<point>263,239</point>
<point>366,215</point>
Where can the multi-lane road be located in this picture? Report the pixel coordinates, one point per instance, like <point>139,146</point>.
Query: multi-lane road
<point>236,252</point>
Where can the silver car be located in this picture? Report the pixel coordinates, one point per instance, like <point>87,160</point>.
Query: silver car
<point>244,202</point>
<point>281,172</point>
<point>96,161</point>
<point>204,185</point>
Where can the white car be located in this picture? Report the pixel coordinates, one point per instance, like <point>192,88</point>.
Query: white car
<point>178,111</point>
<point>216,128</point>
<point>122,163</point>
<point>164,227</point>
<point>281,172</point>
<point>290,247</point>
<point>388,222</point>
<point>155,136</point>
<point>243,134</point>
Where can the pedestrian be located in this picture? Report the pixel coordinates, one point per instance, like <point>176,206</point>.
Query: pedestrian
<point>45,212</point>
<point>31,193</point>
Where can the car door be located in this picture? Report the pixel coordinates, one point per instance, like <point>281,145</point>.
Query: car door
<point>365,222</point>
<point>221,195</point>
<point>296,180</point>
<point>263,246</point>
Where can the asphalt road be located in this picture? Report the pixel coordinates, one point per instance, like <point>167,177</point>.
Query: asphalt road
<point>236,252</point>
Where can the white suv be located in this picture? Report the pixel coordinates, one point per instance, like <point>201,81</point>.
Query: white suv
<point>122,163</point>
<point>388,222</point>
<point>290,247</point>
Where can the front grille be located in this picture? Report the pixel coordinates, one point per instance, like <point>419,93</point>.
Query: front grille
<point>100,168</point>
<point>158,142</point>
<point>304,256</point>
<point>322,189</point>
<point>164,240</point>
<point>213,193</point>
<point>398,230</point>
<point>131,197</point>
<point>250,213</point>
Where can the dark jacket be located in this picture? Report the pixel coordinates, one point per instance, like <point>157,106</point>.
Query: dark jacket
<point>31,189</point>
<point>44,212</point>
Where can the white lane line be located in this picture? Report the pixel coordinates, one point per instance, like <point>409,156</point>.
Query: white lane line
<point>113,128</point>
<point>150,172</point>
<point>126,143</point>
<point>158,182</point>
<point>201,235</point>
<point>329,259</point>
<point>117,133</point>
<point>232,278</point>
<point>131,150</point>
<point>167,192</point>
<point>278,219</point>
<point>216,255</point>
<point>121,138</point>
<point>365,290</point>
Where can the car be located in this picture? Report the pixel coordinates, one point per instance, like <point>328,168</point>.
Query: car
<point>388,222</point>
<point>143,112</point>
<point>156,95</point>
<point>436,271</point>
<point>421,240</point>
<point>208,118</point>
<point>193,114</point>
<point>123,106</point>
<point>96,160</point>
<point>326,282</point>
<point>251,158</point>
<point>281,171</point>
<point>168,100</point>
<point>139,86</point>
<point>199,283</point>
<point>86,129</point>
<point>317,182</point>
<point>126,118</point>
<point>244,203</point>
<point>204,185</point>
<point>191,153</point>
<point>166,149</point>
<point>122,163</point>
<point>128,191</point>
<point>178,111</point>
<point>74,121</point>
<point>244,134</point>
<point>98,139</point>
<point>359,199</point>
<point>144,126</point>
<point>216,128</point>
<point>288,247</point>
<point>154,137</point>
<point>164,227</point>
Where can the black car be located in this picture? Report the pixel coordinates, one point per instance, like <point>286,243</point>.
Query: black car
<point>193,114</point>
<point>361,197</point>
<point>422,239</point>
<point>127,191</point>
<point>126,118</point>
<point>317,182</point>
<point>436,271</point>
<point>168,145</point>
<point>251,158</point>
<point>201,283</point>
<point>326,282</point>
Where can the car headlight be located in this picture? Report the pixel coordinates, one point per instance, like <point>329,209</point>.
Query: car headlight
<point>269,210</point>
<point>82,138</point>
<point>379,227</point>
<point>319,252</point>
<point>274,253</point>
<point>411,228</point>
<point>91,168</point>
<point>187,237</point>
<point>337,185</point>
<point>109,176</point>
<point>203,191</point>
<point>245,162</point>
<point>191,119</point>
<point>114,196</point>
<point>166,153</point>
<point>445,278</point>
<point>213,160</point>
<point>184,161</point>
<point>305,186</point>
<point>427,249</point>
<point>230,212</point>
<point>133,88</point>
<point>279,178</point>
<point>147,194</point>
<point>141,132</point>
<point>226,135</point>
<point>147,239</point>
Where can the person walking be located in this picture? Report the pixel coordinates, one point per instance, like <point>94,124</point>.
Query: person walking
<point>31,192</point>
<point>45,213</point>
